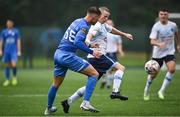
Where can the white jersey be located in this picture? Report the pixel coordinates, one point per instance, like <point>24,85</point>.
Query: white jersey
<point>163,33</point>
<point>99,32</point>
<point>113,42</point>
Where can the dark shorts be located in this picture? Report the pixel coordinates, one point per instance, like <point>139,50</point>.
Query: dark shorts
<point>165,59</point>
<point>102,64</point>
<point>113,56</point>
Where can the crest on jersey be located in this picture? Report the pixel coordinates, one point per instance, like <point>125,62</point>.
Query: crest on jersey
<point>83,30</point>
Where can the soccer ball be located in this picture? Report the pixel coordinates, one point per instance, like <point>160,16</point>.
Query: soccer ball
<point>152,67</point>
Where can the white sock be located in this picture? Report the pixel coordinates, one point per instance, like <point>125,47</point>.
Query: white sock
<point>148,84</point>
<point>166,81</point>
<point>78,94</point>
<point>104,80</point>
<point>109,79</point>
<point>117,80</point>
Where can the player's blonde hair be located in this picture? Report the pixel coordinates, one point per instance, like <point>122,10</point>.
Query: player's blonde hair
<point>103,8</point>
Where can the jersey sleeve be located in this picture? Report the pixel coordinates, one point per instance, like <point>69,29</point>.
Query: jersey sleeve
<point>94,30</point>
<point>119,39</point>
<point>154,32</point>
<point>18,34</point>
<point>80,40</point>
<point>175,28</point>
<point>108,27</point>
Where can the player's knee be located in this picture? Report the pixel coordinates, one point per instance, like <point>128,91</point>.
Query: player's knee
<point>120,67</point>
<point>95,74</point>
<point>172,70</point>
<point>57,82</point>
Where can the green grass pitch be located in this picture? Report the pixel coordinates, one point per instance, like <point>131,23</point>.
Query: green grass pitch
<point>29,97</point>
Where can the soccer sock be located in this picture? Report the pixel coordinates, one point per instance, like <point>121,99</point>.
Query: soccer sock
<point>14,71</point>
<point>109,79</point>
<point>166,81</point>
<point>7,73</point>
<point>78,94</point>
<point>90,85</point>
<point>51,95</point>
<point>148,84</point>
<point>117,80</point>
<point>103,79</point>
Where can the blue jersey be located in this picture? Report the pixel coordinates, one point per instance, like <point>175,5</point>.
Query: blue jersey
<point>9,38</point>
<point>75,36</point>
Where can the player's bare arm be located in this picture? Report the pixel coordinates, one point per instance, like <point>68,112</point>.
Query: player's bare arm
<point>19,47</point>
<point>177,41</point>
<point>1,42</point>
<point>118,32</point>
<point>88,39</point>
<point>120,50</point>
<point>155,42</point>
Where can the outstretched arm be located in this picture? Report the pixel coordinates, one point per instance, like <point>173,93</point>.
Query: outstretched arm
<point>19,47</point>
<point>118,32</point>
<point>1,43</point>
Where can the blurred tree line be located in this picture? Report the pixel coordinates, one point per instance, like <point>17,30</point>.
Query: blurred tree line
<point>42,22</point>
<point>62,12</point>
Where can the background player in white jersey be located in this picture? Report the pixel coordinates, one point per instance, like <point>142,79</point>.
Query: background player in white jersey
<point>162,38</point>
<point>114,50</point>
<point>98,36</point>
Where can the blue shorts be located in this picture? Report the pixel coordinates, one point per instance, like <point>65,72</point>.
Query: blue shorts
<point>113,56</point>
<point>66,60</point>
<point>102,64</point>
<point>9,57</point>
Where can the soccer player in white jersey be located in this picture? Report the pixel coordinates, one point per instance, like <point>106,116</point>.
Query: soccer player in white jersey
<point>98,36</point>
<point>162,38</point>
<point>114,50</point>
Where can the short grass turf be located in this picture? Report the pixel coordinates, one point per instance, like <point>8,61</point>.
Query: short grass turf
<point>29,97</point>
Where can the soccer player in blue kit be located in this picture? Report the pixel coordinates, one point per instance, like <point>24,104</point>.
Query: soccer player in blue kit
<point>65,58</point>
<point>10,48</point>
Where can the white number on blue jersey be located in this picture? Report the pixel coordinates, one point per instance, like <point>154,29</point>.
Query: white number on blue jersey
<point>70,34</point>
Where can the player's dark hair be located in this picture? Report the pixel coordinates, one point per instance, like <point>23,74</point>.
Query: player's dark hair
<point>10,20</point>
<point>163,10</point>
<point>103,8</point>
<point>94,10</point>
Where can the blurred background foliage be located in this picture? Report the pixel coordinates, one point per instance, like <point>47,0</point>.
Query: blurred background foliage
<point>43,22</point>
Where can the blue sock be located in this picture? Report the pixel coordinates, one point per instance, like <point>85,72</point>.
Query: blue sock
<point>14,71</point>
<point>91,83</point>
<point>7,73</point>
<point>51,96</point>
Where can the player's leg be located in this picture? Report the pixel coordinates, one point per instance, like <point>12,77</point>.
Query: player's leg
<point>59,74</point>
<point>14,69</point>
<point>103,81</point>
<point>118,75</point>
<point>6,60</point>
<point>77,64</point>
<point>90,85</point>
<point>110,73</point>
<point>149,81</point>
<point>57,81</point>
<point>110,77</point>
<point>74,97</point>
<point>7,74</point>
<point>171,67</point>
